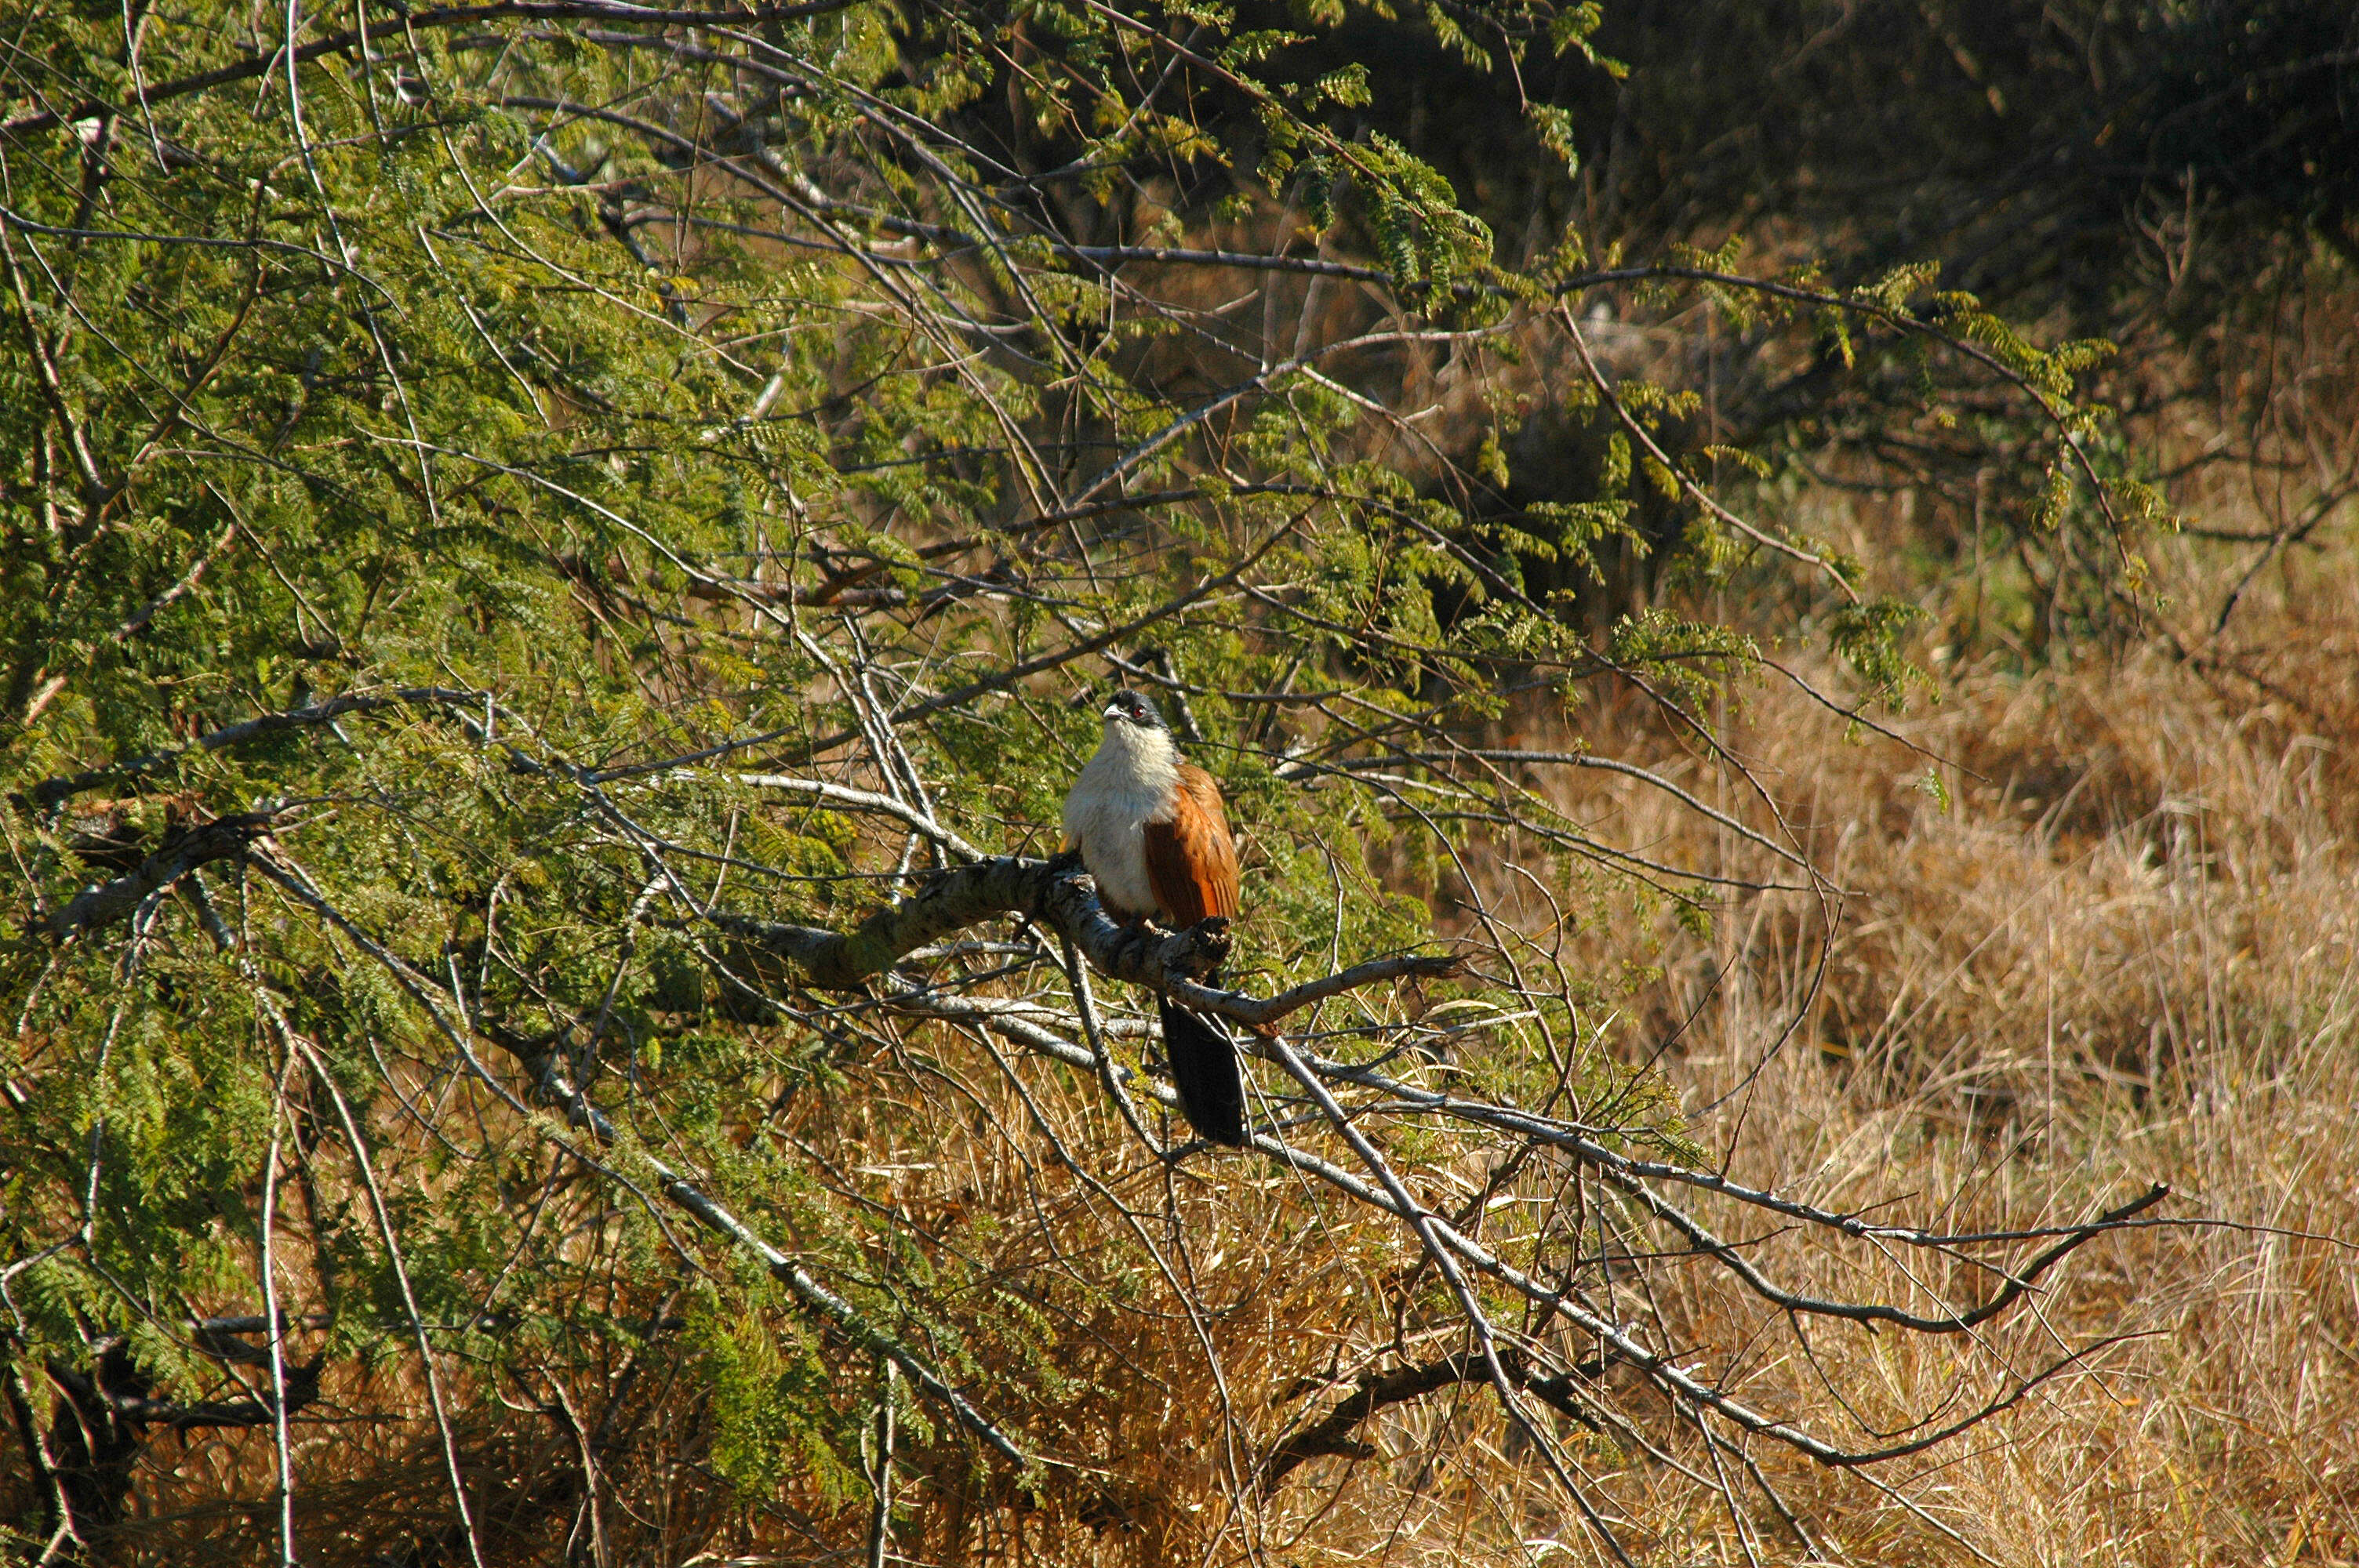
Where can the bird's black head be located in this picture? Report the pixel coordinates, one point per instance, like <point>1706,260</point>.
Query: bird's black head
<point>1129,708</point>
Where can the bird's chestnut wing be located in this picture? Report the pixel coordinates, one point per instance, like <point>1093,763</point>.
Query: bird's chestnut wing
<point>1191,860</point>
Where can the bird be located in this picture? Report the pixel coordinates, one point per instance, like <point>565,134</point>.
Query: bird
<point>1151,829</point>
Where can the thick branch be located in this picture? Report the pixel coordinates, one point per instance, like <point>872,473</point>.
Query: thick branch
<point>1059,892</point>
<point>1056,890</point>
<point>114,901</point>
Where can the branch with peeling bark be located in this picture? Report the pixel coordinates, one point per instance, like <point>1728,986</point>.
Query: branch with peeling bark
<point>1060,893</point>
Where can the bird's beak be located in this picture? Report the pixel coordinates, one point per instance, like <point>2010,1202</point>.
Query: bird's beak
<point>1112,710</point>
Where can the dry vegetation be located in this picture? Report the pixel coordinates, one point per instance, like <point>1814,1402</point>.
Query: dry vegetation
<point>2125,949</point>
<point>2099,930</point>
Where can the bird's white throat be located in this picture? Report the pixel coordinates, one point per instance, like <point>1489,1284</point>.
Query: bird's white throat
<point>1136,757</point>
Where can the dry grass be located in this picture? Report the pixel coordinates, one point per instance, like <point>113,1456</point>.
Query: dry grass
<point>2126,950</point>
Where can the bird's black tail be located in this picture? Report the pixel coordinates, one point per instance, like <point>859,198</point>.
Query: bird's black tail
<point>1205,1071</point>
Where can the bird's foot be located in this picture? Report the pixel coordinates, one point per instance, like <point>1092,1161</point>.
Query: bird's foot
<point>1212,941</point>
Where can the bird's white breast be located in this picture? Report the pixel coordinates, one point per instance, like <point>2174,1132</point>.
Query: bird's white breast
<point>1128,784</point>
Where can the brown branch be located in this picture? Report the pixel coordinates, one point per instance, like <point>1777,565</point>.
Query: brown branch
<point>1374,1392</point>
<point>135,1405</point>
<point>1259,1013</point>
<point>1056,890</point>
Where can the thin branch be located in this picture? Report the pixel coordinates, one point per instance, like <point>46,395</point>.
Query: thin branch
<point>49,792</point>
<point>433,17</point>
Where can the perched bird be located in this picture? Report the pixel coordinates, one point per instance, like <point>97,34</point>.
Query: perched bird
<point>1151,829</point>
